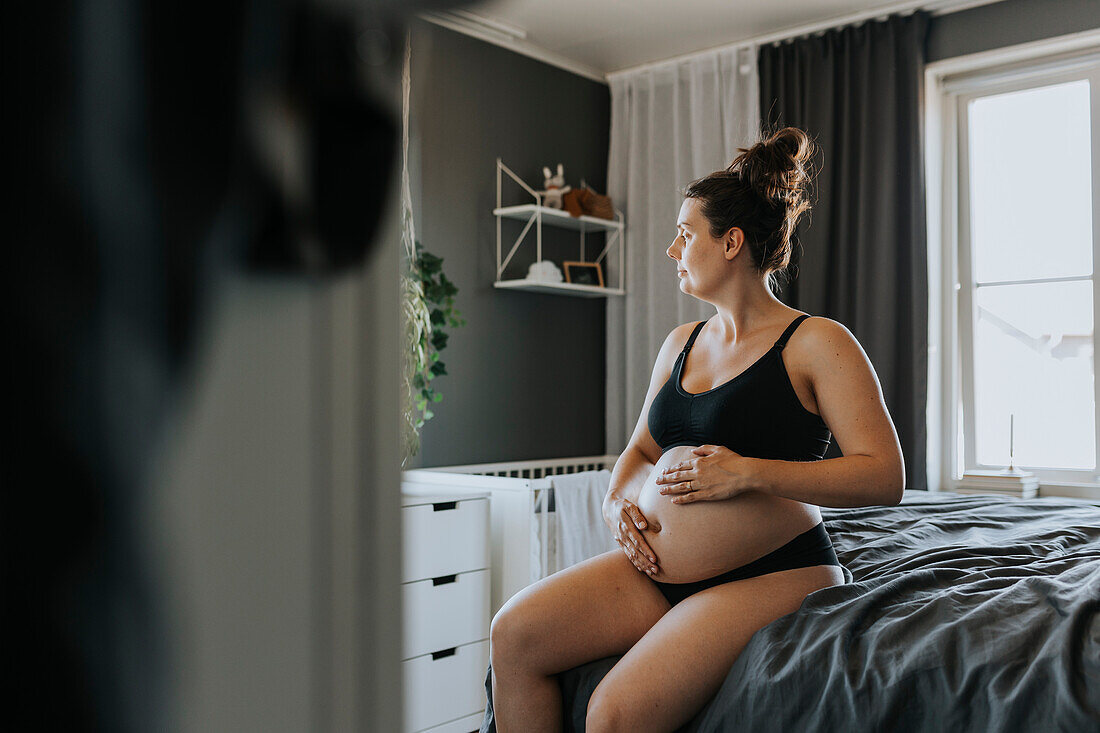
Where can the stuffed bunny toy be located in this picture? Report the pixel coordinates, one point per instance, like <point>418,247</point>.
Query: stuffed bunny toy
<point>555,187</point>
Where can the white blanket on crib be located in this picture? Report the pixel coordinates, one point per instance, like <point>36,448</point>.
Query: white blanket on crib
<point>578,502</point>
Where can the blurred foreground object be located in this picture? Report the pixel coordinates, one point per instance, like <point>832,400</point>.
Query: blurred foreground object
<point>157,147</point>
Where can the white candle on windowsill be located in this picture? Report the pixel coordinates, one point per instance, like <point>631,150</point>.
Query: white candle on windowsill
<point>1009,481</point>
<point>1012,470</point>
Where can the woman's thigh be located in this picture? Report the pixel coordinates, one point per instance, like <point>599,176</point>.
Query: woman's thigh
<point>596,608</point>
<point>680,663</point>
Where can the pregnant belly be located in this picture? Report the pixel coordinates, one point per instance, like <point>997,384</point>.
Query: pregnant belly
<point>702,539</point>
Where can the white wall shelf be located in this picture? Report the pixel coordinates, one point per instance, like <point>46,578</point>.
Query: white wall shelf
<point>562,288</point>
<point>559,218</point>
<point>536,215</point>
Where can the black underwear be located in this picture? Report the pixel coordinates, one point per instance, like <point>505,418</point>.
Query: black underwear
<point>812,547</point>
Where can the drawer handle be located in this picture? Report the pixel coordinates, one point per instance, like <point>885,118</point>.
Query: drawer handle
<point>444,579</point>
<point>444,653</point>
<point>444,505</point>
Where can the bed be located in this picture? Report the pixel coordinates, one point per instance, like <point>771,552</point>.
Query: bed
<point>961,613</point>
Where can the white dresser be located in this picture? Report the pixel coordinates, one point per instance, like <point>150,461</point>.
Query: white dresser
<point>445,590</point>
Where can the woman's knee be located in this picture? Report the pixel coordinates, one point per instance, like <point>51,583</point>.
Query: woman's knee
<point>510,634</point>
<point>604,713</point>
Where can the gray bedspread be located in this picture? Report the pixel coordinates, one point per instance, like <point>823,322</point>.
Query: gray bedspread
<point>964,613</point>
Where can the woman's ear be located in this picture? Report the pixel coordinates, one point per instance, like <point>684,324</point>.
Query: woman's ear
<point>732,238</point>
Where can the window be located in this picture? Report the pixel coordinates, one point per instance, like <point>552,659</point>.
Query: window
<point>1020,212</point>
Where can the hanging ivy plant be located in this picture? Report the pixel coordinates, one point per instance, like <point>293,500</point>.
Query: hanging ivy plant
<point>428,297</point>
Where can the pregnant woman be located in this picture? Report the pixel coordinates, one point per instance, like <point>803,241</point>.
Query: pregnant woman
<point>714,502</point>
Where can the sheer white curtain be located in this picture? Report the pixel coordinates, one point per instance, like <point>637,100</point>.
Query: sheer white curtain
<point>670,124</point>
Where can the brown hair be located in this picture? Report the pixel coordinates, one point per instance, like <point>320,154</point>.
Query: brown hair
<point>761,192</point>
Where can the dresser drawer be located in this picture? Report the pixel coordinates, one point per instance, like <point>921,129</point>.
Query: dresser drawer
<point>444,537</point>
<point>445,612</point>
<point>446,688</point>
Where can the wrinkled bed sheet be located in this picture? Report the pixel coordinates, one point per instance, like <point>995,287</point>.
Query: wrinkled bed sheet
<point>963,613</point>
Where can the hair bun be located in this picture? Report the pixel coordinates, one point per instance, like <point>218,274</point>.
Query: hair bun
<point>761,194</point>
<point>777,168</point>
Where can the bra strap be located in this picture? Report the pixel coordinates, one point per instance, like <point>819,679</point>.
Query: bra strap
<point>694,333</point>
<point>790,329</point>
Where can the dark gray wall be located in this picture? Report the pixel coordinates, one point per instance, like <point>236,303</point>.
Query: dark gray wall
<point>526,374</point>
<point>1008,23</point>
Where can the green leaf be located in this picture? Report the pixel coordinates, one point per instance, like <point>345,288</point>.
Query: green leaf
<point>429,300</point>
<point>430,264</point>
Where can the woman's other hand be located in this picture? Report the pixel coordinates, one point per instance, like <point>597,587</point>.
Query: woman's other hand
<point>716,473</point>
<point>629,523</point>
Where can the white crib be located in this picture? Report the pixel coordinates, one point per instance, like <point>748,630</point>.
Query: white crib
<point>522,518</point>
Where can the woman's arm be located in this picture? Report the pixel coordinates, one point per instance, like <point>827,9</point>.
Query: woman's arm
<point>856,480</point>
<point>635,464</point>
<point>627,480</point>
<point>849,399</point>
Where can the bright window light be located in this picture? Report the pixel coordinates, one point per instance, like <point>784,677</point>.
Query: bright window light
<point>1031,218</point>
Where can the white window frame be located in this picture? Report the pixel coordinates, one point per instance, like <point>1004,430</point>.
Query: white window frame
<point>949,85</point>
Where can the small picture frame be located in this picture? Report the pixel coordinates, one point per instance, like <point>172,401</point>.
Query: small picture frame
<point>583,273</point>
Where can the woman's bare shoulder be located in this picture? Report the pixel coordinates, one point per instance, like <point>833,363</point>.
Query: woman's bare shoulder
<point>821,344</point>
<point>678,336</point>
<point>666,356</point>
<point>831,358</point>
<point>818,331</point>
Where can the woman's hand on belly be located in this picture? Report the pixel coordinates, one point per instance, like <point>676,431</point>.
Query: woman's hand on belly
<point>709,473</point>
<point>628,530</point>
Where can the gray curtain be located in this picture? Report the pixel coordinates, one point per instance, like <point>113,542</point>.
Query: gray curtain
<point>860,256</point>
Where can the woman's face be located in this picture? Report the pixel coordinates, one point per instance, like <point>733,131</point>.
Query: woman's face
<point>698,255</point>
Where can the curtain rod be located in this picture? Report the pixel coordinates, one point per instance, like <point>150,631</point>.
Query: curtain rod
<point>935,7</point>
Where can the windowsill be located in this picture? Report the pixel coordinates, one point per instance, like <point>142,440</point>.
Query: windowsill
<point>1067,489</point>
<point>1077,491</point>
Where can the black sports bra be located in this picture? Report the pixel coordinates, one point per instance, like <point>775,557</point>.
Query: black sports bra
<point>757,413</point>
